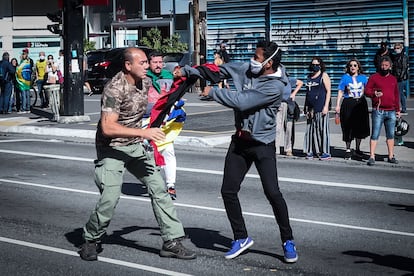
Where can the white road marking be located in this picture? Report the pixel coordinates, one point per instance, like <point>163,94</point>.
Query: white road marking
<point>214,209</point>
<point>100,259</point>
<point>193,170</point>
<point>93,113</point>
<point>31,140</point>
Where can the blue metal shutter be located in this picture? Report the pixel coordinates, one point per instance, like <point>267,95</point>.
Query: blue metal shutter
<point>411,41</point>
<point>333,30</point>
<point>240,23</point>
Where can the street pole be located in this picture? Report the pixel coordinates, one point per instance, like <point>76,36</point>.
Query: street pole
<point>196,22</point>
<point>73,58</point>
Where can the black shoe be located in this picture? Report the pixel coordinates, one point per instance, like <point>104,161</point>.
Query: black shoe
<point>89,251</point>
<point>206,98</point>
<point>392,160</point>
<point>171,191</point>
<point>371,161</point>
<point>348,155</point>
<point>359,153</point>
<point>175,249</point>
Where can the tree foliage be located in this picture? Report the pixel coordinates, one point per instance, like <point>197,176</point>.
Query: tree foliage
<point>154,41</point>
<point>88,45</point>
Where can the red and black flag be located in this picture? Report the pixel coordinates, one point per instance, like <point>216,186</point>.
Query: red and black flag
<point>162,107</point>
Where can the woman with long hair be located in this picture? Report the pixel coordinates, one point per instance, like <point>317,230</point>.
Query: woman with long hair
<point>353,111</point>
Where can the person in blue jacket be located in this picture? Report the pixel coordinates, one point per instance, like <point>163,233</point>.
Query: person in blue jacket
<point>259,86</point>
<point>7,71</point>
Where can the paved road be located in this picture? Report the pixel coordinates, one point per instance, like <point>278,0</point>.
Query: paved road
<point>208,125</point>
<point>347,219</point>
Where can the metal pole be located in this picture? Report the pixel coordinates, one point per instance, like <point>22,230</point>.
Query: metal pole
<point>191,28</point>
<point>196,14</point>
<point>112,26</point>
<point>144,14</point>
<point>173,32</point>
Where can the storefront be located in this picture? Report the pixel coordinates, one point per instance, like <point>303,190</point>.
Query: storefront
<point>49,45</point>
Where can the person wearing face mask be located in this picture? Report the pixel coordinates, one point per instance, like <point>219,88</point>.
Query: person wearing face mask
<point>259,86</point>
<point>24,80</point>
<point>400,71</point>
<point>353,111</point>
<point>382,88</point>
<point>40,69</point>
<point>318,96</point>
<point>381,52</point>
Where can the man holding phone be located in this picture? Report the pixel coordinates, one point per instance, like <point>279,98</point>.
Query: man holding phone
<point>382,88</point>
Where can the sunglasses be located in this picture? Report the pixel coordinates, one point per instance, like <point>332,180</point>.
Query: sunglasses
<point>353,65</point>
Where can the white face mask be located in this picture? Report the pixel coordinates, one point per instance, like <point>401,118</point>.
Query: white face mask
<point>398,51</point>
<point>256,67</point>
<point>42,57</point>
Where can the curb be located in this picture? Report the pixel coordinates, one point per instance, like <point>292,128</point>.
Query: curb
<point>90,134</point>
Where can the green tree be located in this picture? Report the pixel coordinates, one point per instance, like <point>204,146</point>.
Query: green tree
<point>154,41</point>
<point>173,44</point>
<point>88,45</point>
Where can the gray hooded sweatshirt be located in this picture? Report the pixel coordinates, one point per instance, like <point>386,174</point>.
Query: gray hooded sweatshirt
<point>255,101</point>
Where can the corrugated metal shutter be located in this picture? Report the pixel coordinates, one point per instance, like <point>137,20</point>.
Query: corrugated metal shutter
<point>411,39</point>
<point>333,30</point>
<point>240,23</point>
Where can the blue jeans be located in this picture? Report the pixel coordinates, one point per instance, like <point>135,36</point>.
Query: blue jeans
<point>39,84</point>
<point>387,118</point>
<point>25,97</point>
<point>6,92</point>
<point>402,85</point>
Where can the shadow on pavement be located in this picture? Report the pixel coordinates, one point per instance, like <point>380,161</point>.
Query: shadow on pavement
<point>393,261</point>
<point>408,208</point>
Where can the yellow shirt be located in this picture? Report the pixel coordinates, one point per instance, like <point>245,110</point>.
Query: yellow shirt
<point>41,68</point>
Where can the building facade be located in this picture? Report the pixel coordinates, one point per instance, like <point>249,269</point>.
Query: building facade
<point>23,25</point>
<point>333,30</point>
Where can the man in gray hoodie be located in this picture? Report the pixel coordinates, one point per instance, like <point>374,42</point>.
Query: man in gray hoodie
<point>259,86</point>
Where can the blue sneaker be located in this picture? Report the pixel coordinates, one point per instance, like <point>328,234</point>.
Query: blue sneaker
<point>309,156</point>
<point>325,156</point>
<point>289,251</point>
<point>238,247</point>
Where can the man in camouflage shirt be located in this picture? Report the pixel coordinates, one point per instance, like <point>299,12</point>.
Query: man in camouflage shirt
<point>122,144</point>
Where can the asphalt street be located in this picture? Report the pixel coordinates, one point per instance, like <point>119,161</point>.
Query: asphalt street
<point>347,219</point>
<point>208,125</point>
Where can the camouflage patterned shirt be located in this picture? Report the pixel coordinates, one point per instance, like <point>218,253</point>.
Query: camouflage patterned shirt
<point>129,101</point>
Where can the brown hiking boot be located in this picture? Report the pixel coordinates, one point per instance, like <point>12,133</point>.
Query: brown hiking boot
<point>175,249</point>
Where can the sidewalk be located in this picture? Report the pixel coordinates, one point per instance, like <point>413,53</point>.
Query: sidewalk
<point>35,125</point>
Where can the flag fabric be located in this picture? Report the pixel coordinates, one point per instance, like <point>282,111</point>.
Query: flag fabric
<point>179,87</point>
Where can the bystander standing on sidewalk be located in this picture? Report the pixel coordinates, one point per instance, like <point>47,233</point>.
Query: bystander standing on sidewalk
<point>353,111</point>
<point>382,88</point>
<point>41,70</point>
<point>24,80</point>
<point>400,71</point>
<point>7,72</point>
<point>318,95</point>
<point>285,117</point>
